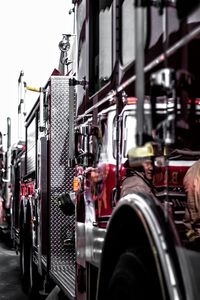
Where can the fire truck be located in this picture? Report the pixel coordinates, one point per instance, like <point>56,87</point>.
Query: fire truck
<point>5,191</point>
<point>132,78</point>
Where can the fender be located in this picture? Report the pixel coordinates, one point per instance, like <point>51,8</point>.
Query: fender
<point>138,221</point>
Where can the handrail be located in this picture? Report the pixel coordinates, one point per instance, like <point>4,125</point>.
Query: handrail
<point>182,42</point>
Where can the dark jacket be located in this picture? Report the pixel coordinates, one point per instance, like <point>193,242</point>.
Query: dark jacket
<point>136,182</point>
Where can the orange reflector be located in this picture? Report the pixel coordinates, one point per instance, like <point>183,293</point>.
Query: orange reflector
<point>76,184</point>
<point>131,100</point>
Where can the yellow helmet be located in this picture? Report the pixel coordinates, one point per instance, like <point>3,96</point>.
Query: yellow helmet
<point>137,155</point>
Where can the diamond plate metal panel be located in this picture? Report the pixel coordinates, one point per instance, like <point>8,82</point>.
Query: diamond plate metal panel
<point>62,227</point>
<point>31,147</point>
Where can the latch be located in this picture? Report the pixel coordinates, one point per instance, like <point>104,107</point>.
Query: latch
<point>83,82</point>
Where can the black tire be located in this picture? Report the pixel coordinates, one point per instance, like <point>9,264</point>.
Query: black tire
<point>22,267</point>
<point>26,258</point>
<point>30,279</point>
<point>130,280</point>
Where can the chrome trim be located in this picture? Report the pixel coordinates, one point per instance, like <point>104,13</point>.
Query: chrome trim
<point>181,163</point>
<point>80,243</point>
<point>90,241</point>
<point>89,238</point>
<point>94,244</point>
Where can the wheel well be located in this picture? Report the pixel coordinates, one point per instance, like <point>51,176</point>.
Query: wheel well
<point>126,231</point>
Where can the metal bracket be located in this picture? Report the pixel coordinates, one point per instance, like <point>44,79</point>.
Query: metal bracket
<point>74,82</point>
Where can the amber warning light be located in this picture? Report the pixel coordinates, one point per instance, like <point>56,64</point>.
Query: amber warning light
<point>76,184</point>
<point>131,100</point>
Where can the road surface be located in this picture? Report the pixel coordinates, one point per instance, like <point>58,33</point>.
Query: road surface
<point>10,288</point>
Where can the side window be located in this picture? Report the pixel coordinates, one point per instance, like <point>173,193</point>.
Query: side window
<point>100,44</point>
<point>108,127</point>
<point>130,128</point>
<point>105,44</point>
<point>129,133</point>
<point>104,139</point>
<point>128,32</point>
<point>116,144</point>
<point>114,137</point>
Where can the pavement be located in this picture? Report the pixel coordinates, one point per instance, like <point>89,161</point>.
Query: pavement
<point>10,287</point>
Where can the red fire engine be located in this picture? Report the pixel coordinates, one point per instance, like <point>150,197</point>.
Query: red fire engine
<point>124,84</point>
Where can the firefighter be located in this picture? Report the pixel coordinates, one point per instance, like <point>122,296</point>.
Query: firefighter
<point>191,183</point>
<point>140,171</point>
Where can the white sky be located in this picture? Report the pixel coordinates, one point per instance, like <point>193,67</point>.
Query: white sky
<point>30,31</point>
